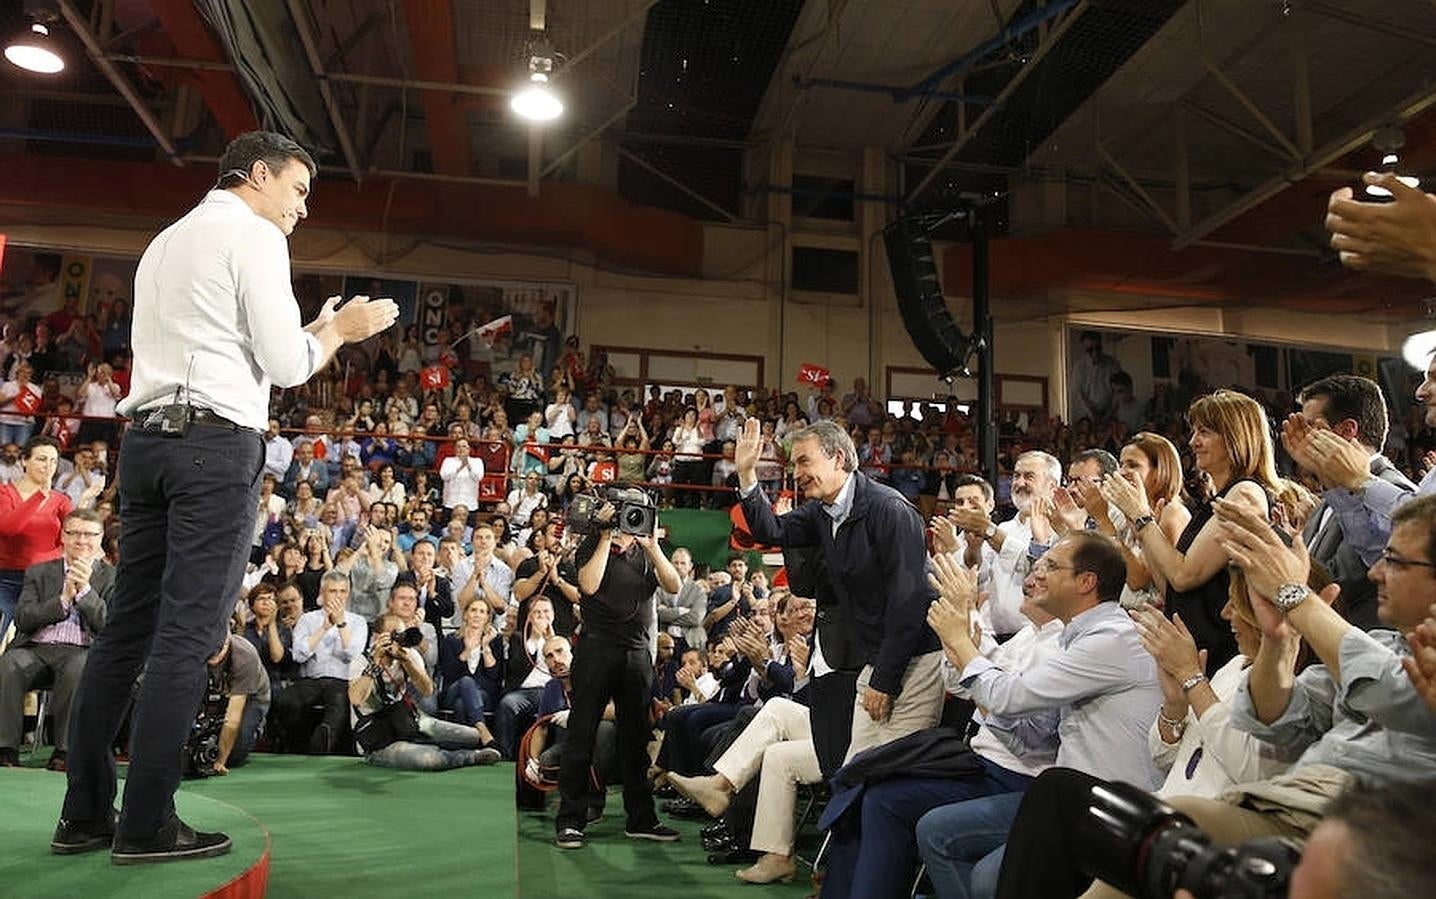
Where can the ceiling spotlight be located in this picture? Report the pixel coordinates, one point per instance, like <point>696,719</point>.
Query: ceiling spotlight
<point>1389,141</point>
<point>34,51</point>
<point>536,101</point>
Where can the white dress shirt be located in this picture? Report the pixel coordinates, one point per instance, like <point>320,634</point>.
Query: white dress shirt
<point>215,312</point>
<point>461,481</point>
<point>1009,568</point>
<point>278,453</point>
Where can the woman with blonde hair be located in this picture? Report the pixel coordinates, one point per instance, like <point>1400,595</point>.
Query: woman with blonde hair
<point>1232,444</point>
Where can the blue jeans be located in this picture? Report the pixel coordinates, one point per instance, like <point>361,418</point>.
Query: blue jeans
<point>16,434</point>
<point>466,699</point>
<point>962,845</point>
<point>882,859</point>
<point>449,745</point>
<point>11,580</point>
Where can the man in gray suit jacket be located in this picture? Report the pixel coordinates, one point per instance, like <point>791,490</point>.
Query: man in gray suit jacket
<point>1351,407</point>
<point>683,612</point>
<point>61,609</point>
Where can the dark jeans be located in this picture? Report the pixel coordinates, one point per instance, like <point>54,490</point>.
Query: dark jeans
<point>685,746</point>
<point>249,727</point>
<point>882,860</point>
<point>601,673</point>
<point>182,554</point>
<point>292,709</point>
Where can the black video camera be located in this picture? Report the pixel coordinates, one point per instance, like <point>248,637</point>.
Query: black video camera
<point>635,512</point>
<point>1146,848</point>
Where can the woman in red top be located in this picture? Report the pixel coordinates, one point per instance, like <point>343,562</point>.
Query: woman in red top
<point>30,516</point>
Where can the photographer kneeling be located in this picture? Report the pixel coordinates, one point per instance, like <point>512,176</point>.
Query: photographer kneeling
<point>617,576</point>
<point>391,731</point>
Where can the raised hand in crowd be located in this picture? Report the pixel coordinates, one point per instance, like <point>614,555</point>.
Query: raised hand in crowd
<point>944,534</point>
<point>1396,238</point>
<point>1175,651</point>
<point>1129,499</point>
<point>1421,666</point>
<point>799,652</point>
<point>77,578</point>
<point>747,450</point>
<point>1067,513</point>
<point>950,615</point>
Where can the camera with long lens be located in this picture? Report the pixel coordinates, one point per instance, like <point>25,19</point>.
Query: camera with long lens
<point>1146,848</point>
<point>635,512</point>
<point>201,748</point>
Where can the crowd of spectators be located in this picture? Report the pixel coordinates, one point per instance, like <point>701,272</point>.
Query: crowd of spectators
<point>387,507</point>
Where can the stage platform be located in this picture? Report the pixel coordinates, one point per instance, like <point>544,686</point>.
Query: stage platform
<point>31,801</point>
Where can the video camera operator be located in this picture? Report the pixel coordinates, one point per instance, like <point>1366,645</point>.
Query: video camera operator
<point>236,702</point>
<point>391,731</point>
<point>617,575</point>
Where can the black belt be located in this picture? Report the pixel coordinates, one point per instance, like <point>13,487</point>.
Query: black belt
<point>149,419</point>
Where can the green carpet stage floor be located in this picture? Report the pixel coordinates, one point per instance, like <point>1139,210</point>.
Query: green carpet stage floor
<point>339,828</point>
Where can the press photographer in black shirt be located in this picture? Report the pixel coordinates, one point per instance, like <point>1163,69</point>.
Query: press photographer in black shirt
<point>617,575</point>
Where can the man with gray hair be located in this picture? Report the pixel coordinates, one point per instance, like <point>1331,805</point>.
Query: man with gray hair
<point>869,554</point>
<point>326,641</point>
<point>1018,542</point>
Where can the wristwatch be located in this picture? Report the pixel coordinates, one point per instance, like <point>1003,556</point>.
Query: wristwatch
<point>990,532</point>
<point>342,624</point>
<point>1289,596</point>
<point>1140,522</point>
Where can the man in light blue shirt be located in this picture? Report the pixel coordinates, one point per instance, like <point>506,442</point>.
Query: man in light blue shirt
<point>325,642</point>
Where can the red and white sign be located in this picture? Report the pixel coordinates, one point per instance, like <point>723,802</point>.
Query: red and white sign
<point>28,401</point>
<point>816,375</point>
<point>435,377</point>
<point>605,472</point>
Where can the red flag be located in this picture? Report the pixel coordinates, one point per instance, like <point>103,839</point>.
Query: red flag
<point>741,539</point>
<point>28,401</point>
<point>816,375</point>
<point>490,332</point>
<point>491,488</point>
<point>435,377</point>
<point>604,472</point>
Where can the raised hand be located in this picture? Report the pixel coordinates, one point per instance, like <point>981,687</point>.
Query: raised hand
<point>362,318</point>
<point>1397,238</point>
<point>1295,434</point>
<point>746,451</point>
<point>1126,496</point>
<point>1253,545</point>
<point>1067,514</point>
<point>1337,461</point>
<point>944,534</point>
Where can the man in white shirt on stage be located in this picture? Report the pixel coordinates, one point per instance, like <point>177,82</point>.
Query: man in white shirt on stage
<point>215,325</point>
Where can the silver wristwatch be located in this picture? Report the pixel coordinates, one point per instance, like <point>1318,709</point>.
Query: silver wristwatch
<point>1289,596</point>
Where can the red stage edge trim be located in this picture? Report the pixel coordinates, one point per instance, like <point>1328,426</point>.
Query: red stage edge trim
<point>253,882</point>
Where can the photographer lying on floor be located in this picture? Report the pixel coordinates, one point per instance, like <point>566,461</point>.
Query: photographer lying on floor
<point>391,731</point>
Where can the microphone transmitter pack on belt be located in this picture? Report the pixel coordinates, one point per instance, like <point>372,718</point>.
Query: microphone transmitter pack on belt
<point>172,420</point>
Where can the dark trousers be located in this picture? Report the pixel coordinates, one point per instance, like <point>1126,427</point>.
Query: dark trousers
<point>292,705</point>
<point>249,728</point>
<point>830,705</point>
<point>182,554</point>
<point>685,741</point>
<point>1045,847</point>
<point>24,668</point>
<point>881,859</point>
<point>601,673</point>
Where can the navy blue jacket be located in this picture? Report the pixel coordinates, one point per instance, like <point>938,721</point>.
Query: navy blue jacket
<point>873,594</point>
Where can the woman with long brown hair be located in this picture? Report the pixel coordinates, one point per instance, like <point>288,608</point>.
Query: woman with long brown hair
<point>1232,444</point>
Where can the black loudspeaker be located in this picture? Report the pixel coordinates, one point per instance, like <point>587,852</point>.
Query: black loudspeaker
<point>920,300</point>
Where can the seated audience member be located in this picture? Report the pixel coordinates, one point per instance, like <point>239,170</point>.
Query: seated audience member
<point>1091,703</point>
<point>1192,739</point>
<point>417,531</point>
<point>682,613</point>
<point>372,571</point>
<point>316,561</point>
<point>729,601</point>
<point>525,675</point>
<point>469,659</point>
<point>290,605</point>
<point>62,607</point>
<point>1356,716</point>
<point>527,497</point>
<point>404,605</point>
<point>392,732</point>
<point>326,641</point>
<point>236,674</point>
<point>278,451</point>
<point>436,592</point>
<point>461,474</point>
<point>492,579</point>
<point>545,748</point>
<point>271,637</point>
<point>691,730</point>
<point>304,468</point>
<point>549,574</point>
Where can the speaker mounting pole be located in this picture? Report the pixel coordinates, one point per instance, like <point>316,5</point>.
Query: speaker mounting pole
<point>982,342</point>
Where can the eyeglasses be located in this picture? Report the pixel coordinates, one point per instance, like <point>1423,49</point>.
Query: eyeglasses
<point>92,535</point>
<point>1042,566</point>
<point>1391,559</point>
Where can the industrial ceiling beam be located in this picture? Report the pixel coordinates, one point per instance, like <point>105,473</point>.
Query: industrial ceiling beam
<point>1353,139</point>
<point>193,40</point>
<point>326,90</point>
<point>1051,40</point>
<point>431,43</point>
<point>81,27</point>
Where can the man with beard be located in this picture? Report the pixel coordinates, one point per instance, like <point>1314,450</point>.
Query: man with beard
<point>1018,542</point>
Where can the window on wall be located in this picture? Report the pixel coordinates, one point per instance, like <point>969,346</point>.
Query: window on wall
<point>825,271</point>
<point>823,198</point>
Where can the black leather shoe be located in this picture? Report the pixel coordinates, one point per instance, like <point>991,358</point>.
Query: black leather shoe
<point>74,837</point>
<point>721,843</point>
<point>734,857</point>
<point>686,809</point>
<point>716,829</point>
<point>176,841</point>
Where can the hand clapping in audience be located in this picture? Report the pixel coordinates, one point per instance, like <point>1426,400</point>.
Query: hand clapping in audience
<point>1129,499</point>
<point>1421,667</point>
<point>1175,652</point>
<point>950,615</point>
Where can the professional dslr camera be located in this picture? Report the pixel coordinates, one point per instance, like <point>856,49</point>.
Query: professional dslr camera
<point>1146,848</point>
<point>401,638</point>
<point>201,748</point>
<point>635,512</point>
